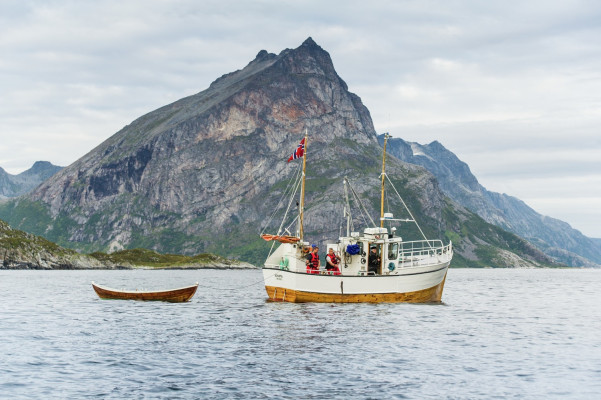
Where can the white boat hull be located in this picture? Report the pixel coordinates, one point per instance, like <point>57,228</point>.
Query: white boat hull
<point>416,284</point>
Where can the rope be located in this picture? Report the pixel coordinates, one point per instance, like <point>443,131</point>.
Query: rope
<point>364,210</point>
<point>292,223</point>
<point>412,217</point>
<point>284,219</point>
<point>284,195</point>
<point>262,281</point>
<point>289,205</point>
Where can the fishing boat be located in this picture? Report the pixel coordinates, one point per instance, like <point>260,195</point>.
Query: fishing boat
<point>179,295</point>
<point>375,265</point>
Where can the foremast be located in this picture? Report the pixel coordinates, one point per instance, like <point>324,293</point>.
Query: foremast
<point>302,196</point>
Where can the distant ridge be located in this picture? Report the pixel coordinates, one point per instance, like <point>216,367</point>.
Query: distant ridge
<point>555,238</point>
<point>17,185</point>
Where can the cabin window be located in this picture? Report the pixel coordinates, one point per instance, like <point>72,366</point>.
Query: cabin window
<point>393,251</point>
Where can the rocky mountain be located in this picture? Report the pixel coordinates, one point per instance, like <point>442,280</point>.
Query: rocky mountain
<point>204,173</point>
<point>555,238</point>
<point>16,185</point>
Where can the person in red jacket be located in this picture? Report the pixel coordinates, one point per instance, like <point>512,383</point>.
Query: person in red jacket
<point>332,261</point>
<point>313,261</point>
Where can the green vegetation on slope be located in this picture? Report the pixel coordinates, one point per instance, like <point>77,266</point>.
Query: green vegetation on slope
<point>21,247</point>
<point>34,217</point>
<point>13,240</point>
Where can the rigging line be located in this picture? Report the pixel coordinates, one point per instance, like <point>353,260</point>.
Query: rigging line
<point>409,211</point>
<point>348,216</point>
<point>361,203</point>
<point>284,195</point>
<point>360,210</point>
<point>284,218</point>
<point>237,287</point>
<point>293,221</point>
<point>285,229</point>
<point>348,183</point>
<point>292,197</point>
<point>298,182</point>
<point>270,249</point>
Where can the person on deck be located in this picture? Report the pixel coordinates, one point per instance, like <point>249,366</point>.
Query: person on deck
<point>306,251</point>
<point>312,260</point>
<point>332,261</point>
<point>374,261</point>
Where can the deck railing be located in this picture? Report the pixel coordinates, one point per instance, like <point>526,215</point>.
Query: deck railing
<point>421,252</point>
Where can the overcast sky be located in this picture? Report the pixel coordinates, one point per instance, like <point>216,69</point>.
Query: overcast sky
<point>513,88</point>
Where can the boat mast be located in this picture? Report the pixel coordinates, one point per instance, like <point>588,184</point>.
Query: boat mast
<point>347,209</point>
<point>383,178</point>
<point>302,200</point>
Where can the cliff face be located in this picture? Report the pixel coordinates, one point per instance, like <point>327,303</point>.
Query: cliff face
<point>203,173</point>
<point>554,237</point>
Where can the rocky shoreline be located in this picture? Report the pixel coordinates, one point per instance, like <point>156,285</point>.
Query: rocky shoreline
<point>27,265</point>
<point>68,267</point>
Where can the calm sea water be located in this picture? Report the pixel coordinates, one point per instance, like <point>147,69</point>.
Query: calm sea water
<point>499,334</point>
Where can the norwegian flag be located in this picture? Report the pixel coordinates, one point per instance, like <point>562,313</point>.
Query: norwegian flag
<point>298,153</point>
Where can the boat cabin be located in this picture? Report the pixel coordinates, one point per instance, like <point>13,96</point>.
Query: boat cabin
<point>391,255</point>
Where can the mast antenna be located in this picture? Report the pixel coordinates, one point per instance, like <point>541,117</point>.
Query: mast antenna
<point>383,176</point>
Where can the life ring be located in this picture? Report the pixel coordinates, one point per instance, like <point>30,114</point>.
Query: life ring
<point>377,236</point>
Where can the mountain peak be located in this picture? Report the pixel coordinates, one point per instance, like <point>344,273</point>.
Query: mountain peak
<point>41,165</point>
<point>308,58</point>
<point>309,47</point>
<point>437,147</point>
<point>44,168</point>
<point>16,185</point>
<point>310,42</point>
<point>264,55</point>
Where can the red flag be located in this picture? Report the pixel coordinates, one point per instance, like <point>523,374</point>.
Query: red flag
<point>298,153</point>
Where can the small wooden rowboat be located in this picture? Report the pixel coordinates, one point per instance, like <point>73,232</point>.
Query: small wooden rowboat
<point>174,295</point>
